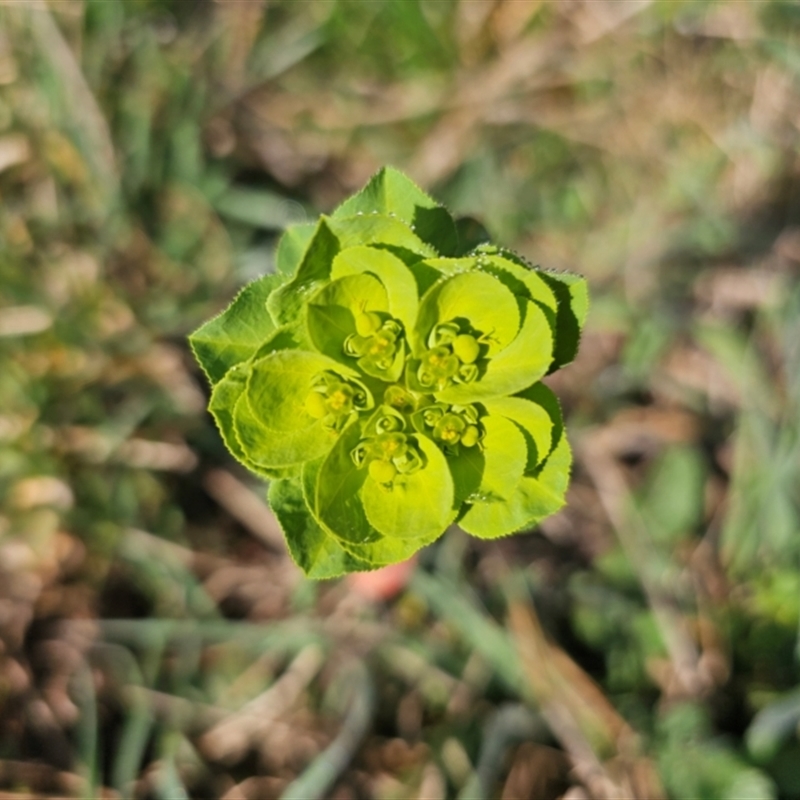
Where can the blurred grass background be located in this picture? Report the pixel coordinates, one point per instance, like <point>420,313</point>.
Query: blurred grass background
<point>155,639</point>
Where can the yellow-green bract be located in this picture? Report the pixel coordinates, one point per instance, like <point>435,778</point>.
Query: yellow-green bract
<point>386,380</point>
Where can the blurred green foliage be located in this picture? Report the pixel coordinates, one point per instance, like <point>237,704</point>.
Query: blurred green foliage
<point>149,153</point>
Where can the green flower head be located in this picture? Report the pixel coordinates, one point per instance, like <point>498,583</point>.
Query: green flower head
<point>386,380</point>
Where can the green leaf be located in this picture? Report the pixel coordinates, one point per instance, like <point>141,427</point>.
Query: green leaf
<point>418,505</point>
<point>386,550</point>
<point>572,293</point>
<point>259,208</point>
<point>478,299</point>
<point>292,246</point>
<point>270,419</point>
<point>520,277</point>
<point>286,303</point>
<point>391,193</point>
<point>223,401</point>
<point>332,311</point>
<point>329,237</point>
<point>279,384</point>
<point>380,231</point>
<point>565,293</point>
<point>535,498</point>
<point>340,510</point>
<point>234,335</point>
<point>544,396</point>
<point>428,273</point>
<point>534,420</point>
<point>311,547</point>
<point>393,274</point>
<point>672,500</point>
<point>467,468</point>
<point>338,502</point>
<point>270,449</point>
<point>773,726</point>
<point>516,367</point>
<point>471,234</point>
<point>287,337</point>
<point>493,470</point>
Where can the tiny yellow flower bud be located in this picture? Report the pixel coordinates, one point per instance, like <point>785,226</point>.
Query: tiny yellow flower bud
<point>466,348</point>
<point>315,405</point>
<point>382,471</point>
<point>367,322</point>
<point>470,436</point>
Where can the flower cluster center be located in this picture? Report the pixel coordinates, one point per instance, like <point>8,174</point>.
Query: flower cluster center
<point>453,426</point>
<point>333,399</point>
<point>451,357</point>
<point>376,342</point>
<point>386,450</point>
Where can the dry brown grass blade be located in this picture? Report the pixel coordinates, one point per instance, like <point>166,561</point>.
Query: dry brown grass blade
<point>180,712</point>
<point>229,740</point>
<point>602,746</point>
<point>595,19</point>
<point>239,24</point>
<point>487,91</point>
<point>444,148</point>
<point>15,149</point>
<point>162,456</point>
<point>510,18</point>
<point>246,507</point>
